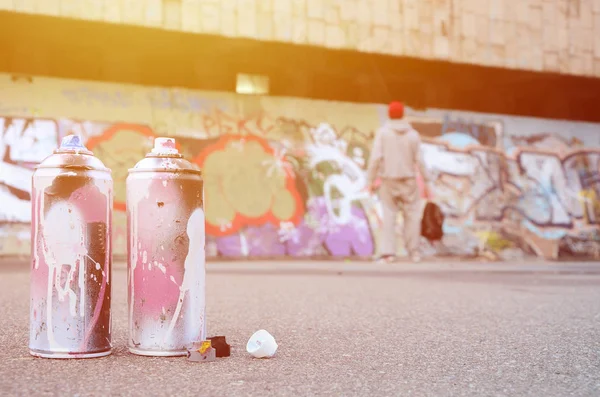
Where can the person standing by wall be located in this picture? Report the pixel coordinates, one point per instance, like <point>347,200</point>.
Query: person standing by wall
<point>395,157</point>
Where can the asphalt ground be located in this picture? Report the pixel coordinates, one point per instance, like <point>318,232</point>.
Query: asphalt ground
<point>348,329</point>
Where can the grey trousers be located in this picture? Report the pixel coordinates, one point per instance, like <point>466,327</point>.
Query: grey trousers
<point>396,195</point>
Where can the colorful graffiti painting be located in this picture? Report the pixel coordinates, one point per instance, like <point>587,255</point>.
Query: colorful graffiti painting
<point>285,187</point>
<point>120,147</point>
<point>247,183</point>
<point>539,195</point>
<point>24,142</point>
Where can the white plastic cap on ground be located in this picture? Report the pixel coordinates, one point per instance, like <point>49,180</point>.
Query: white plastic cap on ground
<point>261,345</point>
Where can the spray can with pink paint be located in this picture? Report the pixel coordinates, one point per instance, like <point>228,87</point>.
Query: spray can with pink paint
<point>166,256</point>
<point>70,307</point>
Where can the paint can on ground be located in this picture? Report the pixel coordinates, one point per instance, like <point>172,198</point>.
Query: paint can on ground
<point>70,295</point>
<point>166,253</point>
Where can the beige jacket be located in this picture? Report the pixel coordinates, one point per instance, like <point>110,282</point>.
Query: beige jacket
<point>396,153</point>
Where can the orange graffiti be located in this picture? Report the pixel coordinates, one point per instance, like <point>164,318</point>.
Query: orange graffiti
<point>120,147</point>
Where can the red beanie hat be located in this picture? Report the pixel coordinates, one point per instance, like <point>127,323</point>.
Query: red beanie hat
<point>396,110</point>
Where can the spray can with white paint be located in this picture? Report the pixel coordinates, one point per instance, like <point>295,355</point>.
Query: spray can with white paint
<point>166,256</point>
<point>70,313</point>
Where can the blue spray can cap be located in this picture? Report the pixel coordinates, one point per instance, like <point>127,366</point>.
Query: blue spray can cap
<point>73,144</point>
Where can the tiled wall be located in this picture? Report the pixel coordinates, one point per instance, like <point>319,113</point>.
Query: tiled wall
<point>550,35</point>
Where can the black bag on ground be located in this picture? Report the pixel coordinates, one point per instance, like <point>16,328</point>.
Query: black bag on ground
<point>432,222</point>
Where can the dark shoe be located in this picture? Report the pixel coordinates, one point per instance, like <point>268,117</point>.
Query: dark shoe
<point>386,258</point>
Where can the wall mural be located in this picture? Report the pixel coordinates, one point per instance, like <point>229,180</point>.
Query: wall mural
<point>285,187</point>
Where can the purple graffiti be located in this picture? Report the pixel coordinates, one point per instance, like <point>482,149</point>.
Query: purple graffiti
<point>317,234</point>
<point>255,241</point>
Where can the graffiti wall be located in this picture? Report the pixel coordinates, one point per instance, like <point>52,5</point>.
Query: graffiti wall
<point>285,177</point>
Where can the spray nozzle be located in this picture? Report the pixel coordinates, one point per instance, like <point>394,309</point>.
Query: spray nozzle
<point>164,146</point>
